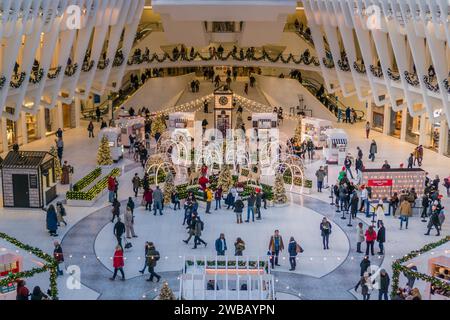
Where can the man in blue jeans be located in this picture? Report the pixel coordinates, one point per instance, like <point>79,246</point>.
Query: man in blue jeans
<point>251,203</point>
<point>384,285</point>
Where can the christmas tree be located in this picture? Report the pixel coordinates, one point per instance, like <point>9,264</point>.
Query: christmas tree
<point>166,293</point>
<point>58,170</point>
<point>104,153</point>
<point>159,125</point>
<point>298,132</point>
<point>169,187</point>
<point>279,193</point>
<point>225,179</point>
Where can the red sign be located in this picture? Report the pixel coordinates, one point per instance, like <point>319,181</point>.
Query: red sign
<point>380,183</point>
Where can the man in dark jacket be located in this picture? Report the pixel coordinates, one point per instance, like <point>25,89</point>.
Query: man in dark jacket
<point>152,257</point>
<point>384,285</point>
<point>434,221</point>
<point>373,150</point>
<point>250,207</point>
<point>221,245</point>
<point>119,230</point>
<point>258,203</point>
<point>354,204</point>
<point>365,264</point>
<point>381,237</point>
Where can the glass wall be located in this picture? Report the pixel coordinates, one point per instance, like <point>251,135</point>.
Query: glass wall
<point>396,124</point>
<point>412,129</point>
<point>377,118</point>
<point>435,136</point>
<point>32,130</point>
<point>11,132</point>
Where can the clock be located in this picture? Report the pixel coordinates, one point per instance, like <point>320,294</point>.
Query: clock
<point>223,100</point>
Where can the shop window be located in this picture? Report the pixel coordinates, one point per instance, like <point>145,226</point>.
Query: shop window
<point>396,123</point>
<point>413,129</point>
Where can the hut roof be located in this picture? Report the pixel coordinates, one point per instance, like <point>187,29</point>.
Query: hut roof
<point>25,159</point>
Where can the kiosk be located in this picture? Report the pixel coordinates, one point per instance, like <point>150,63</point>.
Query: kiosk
<point>114,136</point>
<point>129,125</point>
<point>314,129</point>
<point>182,121</point>
<point>10,263</point>
<point>335,147</point>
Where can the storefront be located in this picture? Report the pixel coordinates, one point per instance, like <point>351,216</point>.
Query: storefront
<point>377,118</point>
<point>32,127</point>
<point>396,124</point>
<point>435,134</point>
<point>412,129</point>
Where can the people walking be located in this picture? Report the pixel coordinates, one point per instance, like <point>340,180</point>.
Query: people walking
<point>115,210</point>
<point>434,221</point>
<point>366,286</point>
<point>60,213</point>
<point>146,248</point>
<point>364,265</point>
<point>136,181</point>
<point>90,129</point>
<point>199,225</point>
<point>158,201</point>
<point>52,221</point>
<point>367,129</point>
<point>293,249</point>
<point>325,229</point>
<point>111,188</point>
<point>129,223</point>
<point>371,236</point>
<point>152,257</point>
<point>320,174</point>
<point>373,150</point>
<point>405,211</point>
<point>276,246</point>
<point>119,230</point>
<point>118,263</point>
<point>239,247</point>
<point>221,245</point>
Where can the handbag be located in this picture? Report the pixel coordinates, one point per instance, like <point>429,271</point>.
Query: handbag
<point>299,249</point>
<point>128,245</point>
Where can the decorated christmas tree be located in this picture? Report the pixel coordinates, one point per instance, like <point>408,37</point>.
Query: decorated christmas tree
<point>298,132</point>
<point>158,125</point>
<point>169,187</point>
<point>58,170</point>
<point>225,179</point>
<point>104,153</point>
<point>279,193</point>
<point>166,293</point>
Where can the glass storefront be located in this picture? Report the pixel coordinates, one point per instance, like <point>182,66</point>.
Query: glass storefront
<point>11,132</point>
<point>435,136</point>
<point>412,129</point>
<point>377,118</point>
<point>32,129</point>
<point>49,122</point>
<point>396,124</point>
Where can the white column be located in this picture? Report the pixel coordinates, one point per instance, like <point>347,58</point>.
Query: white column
<point>23,127</point>
<point>77,106</point>
<point>387,119</point>
<point>59,116</point>
<point>404,122</point>
<point>423,131</point>
<point>369,115</point>
<point>4,135</point>
<point>443,137</point>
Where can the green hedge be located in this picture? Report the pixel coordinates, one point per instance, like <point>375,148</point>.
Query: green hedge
<point>95,190</point>
<point>87,180</point>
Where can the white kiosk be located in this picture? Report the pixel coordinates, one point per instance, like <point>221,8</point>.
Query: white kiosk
<point>335,147</point>
<point>10,263</point>
<point>114,136</point>
<point>129,125</point>
<point>182,121</point>
<point>314,129</point>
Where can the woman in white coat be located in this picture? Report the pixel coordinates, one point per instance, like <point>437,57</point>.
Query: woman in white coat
<point>129,224</point>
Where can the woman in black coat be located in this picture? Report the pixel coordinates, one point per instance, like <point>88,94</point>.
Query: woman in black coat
<point>365,264</point>
<point>381,237</point>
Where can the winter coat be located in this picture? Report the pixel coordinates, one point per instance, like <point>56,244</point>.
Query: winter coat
<point>209,195</point>
<point>136,182</point>
<point>384,283</point>
<point>364,265</point>
<point>148,195</point>
<point>238,206</point>
<point>371,236</point>
<point>251,201</point>
<point>360,234</point>
<point>52,220</point>
<point>405,209</point>
<point>152,257</point>
<point>118,261</point>
<point>128,218</point>
<point>198,228</point>
<point>219,246</point>
<point>272,243</point>
<point>111,184</point>
<point>320,174</point>
<point>119,229</point>
<point>157,195</point>
<point>58,254</point>
<point>258,199</point>
<point>381,236</point>
<point>292,249</point>
<point>373,148</point>
<point>325,228</point>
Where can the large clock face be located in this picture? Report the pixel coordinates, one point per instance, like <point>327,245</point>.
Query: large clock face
<point>223,101</point>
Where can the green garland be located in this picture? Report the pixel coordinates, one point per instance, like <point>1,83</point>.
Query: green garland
<point>2,82</point>
<point>87,180</point>
<point>51,265</point>
<point>17,84</point>
<point>71,69</point>
<point>95,190</point>
<point>398,268</point>
<point>37,76</point>
<point>55,73</point>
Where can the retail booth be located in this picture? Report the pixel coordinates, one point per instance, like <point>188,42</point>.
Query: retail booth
<point>182,121</point>
<point>28,179</point>
<point>10,263</point>
<point>129,125</point>
<point>385,182</point>
<point>438,267</point>
<point>314,129</point>
<point>335,148</point>
<point>114,136</point>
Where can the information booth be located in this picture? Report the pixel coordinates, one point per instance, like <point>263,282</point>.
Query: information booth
<point>335,147</point>
<point>314,129</point>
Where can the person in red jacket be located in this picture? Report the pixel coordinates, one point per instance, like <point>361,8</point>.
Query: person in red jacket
<point>371,236</point>
<point>111,188</point>
<point>118,263</point>
<point>22,291</point>
<point>148,199</point>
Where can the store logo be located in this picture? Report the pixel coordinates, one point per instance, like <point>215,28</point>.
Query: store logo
<point>73,21</point>
<point>373,14</point>
<point>73,282</point>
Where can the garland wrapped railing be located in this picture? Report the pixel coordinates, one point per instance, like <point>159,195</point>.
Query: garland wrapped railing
<point>103,64</point>
<point>412,78</point>
<point>328,63</point>
<point>37,76</point>
<point>118,60</point>
<point>87,66</point>
<point>343,64</point>
<point>54,73</point>
<point>393,75</point>
<point>2,82</point>
<point>304,58</point>
<point>376,71</point>
<point>360,68</point>
<point>50,265</point>
<point>445,83</point>
<point>71,69</point>
<point>431,83</point>
<point>398,268</point>
<point>17,82</point>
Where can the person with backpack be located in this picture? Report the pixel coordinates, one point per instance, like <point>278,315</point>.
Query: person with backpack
<point>238,208</point>
<point>152,257</point>
<point>293,249</point>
